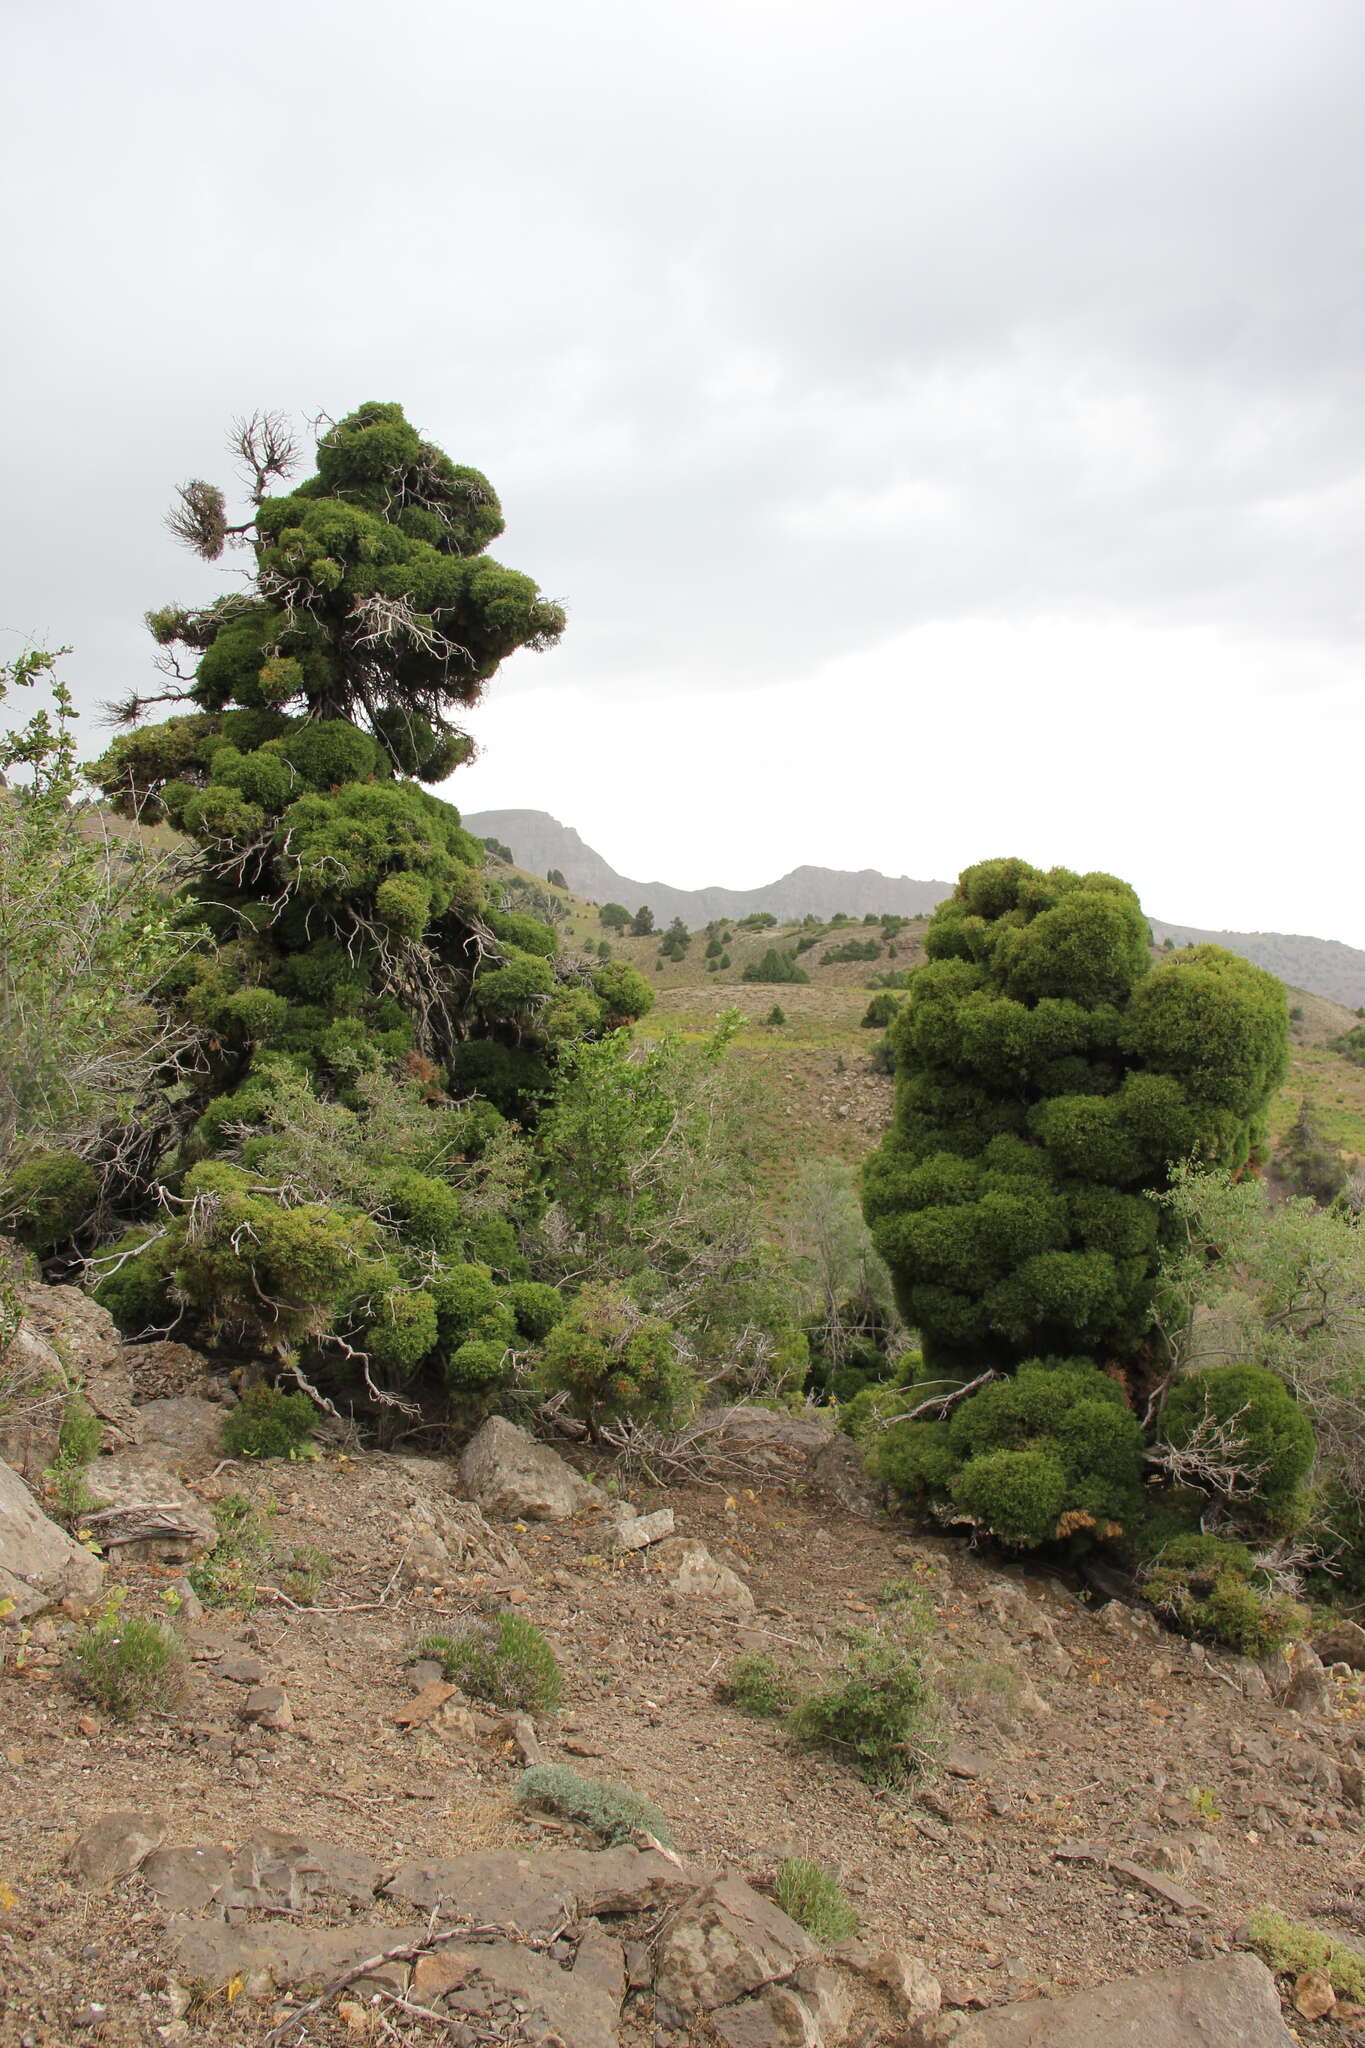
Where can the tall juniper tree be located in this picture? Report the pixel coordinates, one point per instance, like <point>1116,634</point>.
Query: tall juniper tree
<point>1048,1079</point>
<point>346,927</point>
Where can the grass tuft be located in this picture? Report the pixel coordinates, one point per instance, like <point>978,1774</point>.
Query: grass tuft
<point>810,1896</point>
<point>127,1665</point>
<point>504,1660</point>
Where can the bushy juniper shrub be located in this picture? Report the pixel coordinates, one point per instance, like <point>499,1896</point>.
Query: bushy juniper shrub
<point>758,1685</point>
<point>537,1308</point>
<point>1211,1589</point>
<point>612,1360</point>
<point>775,966</point>
<point>852,949</point>
<point>128,1665</point>
<point>269,1423</point>
<point>1273,1434</point>
<point>1050,1453</point>
<point>614,1813</point>
<point>48,1196</point>
<point>879,1716</point>
<point>503,1659</point>
<point>881,1011</point>
<point>815,1900</point>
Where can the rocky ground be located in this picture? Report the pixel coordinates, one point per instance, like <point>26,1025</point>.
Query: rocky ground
<point>1109,1802</point>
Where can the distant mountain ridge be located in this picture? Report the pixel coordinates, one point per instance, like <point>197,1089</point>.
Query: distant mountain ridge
<point>539,842</point>
<point>1325,967</point>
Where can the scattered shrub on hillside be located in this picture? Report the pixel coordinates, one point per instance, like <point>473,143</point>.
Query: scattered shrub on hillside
<point>1289,1947</point>
<point>614,1813</point>
<point>881,1011</point>
<point>1351,1045</point>
<point>852,949</point>
<point>774,966</point>
<point>815,1900</point>
<point>757,1685</point>
<point>226,1575</point>
<point>612,1361</point>
<point>776,1016</point>
<point>128,1665</point>
<point>1307,1160</point>
<point>1211,1589</point>
<point>504,1660</point>
<point>268,1423</point>
<point>880,1716</point>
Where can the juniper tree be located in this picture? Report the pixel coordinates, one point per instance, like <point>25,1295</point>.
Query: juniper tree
<point>1049,1077</point>
<point>343,920</point>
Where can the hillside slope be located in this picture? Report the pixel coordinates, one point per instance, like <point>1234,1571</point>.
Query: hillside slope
<point>538,842</point>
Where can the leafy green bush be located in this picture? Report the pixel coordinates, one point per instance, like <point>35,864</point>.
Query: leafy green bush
<point>852,949</point>
<point>1212,1589</point>
<point>815,1900</point>
<point>613,1812</point>
<point>613,1361</point>
<point>1289,1948</point>
<point>504,1660</point>
<point>268,1423</point>
<point>880,1716</point>
<point>48,1198</point>
<point>128,1665</point>
<point>758,1686</point>
<point>1265,1432</point>
<point>776,1017</point>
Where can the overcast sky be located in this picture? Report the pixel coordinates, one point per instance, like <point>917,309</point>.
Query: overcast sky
<point>944,423</point>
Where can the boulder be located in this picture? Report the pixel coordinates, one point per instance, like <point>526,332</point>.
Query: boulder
<point>143,1510</point>
<point>114,1846</point>
<point>538,1893</point>
<point>1195,2005</point>
<point>723,1944</point>
<point>637,1532</point>
<point>84,1335</point>
<point>182,1432</point>
<point>1342,1644</point>
<point>693,1571</point>
<point>36,1387</point>
<point>508,1474</point>
<point>39,1563</point>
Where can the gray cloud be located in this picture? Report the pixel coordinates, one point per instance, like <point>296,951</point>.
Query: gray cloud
<point>780,327</point>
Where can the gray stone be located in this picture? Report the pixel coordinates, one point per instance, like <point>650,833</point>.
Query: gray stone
<point>578,2008</point>
<point>508,1474</point>
<point>1156,1886</point>
<point>190,1878</point>
<point>212,1953</point>
<point>114,1846</point>
<point>692,1571</point>
<point>144,1511</point>
<point>639,1531</point>
<point>725,1943</point>
<point>268,1706</point>
<point>274,1868</point>
<point>909,1980</point>
<point>241,1667</point>
<point>538,1893</point>
<point>84,1335</point>
<point>39,1563</point>
<point>837,1469</point>
<point>1344,1643</point>
<point>811,2010</point>
<point>36,1389</point>
<point>1196,2005</point>
<point>183,1432</point>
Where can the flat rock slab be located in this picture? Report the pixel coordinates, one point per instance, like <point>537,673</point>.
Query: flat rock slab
<point>39,1563</point>
<point>637,1532</point>
<point>508,1474</point>
<point>725,1943</point>
<point>182,1431</point>
<point>577,2007</point>
<point>144,1510</point>
<point>538,1893</point>
<point>293,1957</point>
<point>1197,2005</point>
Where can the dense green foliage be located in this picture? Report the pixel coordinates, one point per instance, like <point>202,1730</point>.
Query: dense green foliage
<point>878,1714</point>
<point>1048,1078</point>
<point>613,1361</point>
<point>268,1423</point>
<point>1272,1435</point>
<point>1212,1589</point>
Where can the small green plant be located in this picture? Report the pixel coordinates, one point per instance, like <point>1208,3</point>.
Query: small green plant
<point>128,1665</point>
<point>816,1900</point>
<point>503,1659</point>
<point>880,1715</point>
<point>268,1423</point>
<point>758,1686</point>
<point>1289,1947</point>
<point>613,1812</point>
<point>225,1575</point>
<point>305,1571</point>
<point>77,1445</point>
<point>1203,1804</point>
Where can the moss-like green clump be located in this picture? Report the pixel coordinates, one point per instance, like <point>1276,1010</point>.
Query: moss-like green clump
<point>504,1660</point>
